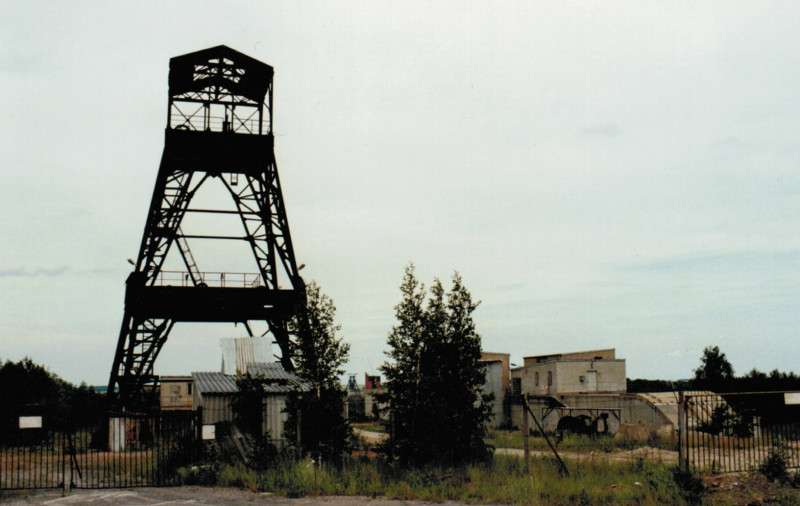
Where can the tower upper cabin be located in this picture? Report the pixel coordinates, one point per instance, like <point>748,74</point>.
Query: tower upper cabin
<point>220,90</point>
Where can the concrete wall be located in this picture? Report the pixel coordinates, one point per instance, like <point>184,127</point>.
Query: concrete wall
<point>534,378</point>
<point>605,354</point>
<point>505,358</point>
<point>632,410</point>
<point>370,404</point>
<point>494,385</point>
<point>577,376</point>
<point>572,376</point>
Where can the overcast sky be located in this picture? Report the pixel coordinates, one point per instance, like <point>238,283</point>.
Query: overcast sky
<point>602,174</point>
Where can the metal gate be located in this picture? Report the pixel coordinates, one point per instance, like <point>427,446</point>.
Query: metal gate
<point>731,432</point>
<point>121,450</point>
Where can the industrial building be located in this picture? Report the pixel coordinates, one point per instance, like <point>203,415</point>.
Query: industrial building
<point>215,391</point>
<point>569,373</point>
<point>496,369</point>
<point>588,384</point>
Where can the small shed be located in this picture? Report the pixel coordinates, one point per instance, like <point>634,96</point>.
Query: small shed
<point>215,391</point>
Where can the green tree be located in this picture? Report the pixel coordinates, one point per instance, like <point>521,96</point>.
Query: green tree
<point>248,404</point>
<point>715,372</point>
<point>27,388</point>
<point>320,356</point>
<point>434,376</point>
<point>403,371</point>
<point>248,408</point>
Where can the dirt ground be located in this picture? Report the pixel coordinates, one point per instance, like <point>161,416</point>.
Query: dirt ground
<point>747,489</point>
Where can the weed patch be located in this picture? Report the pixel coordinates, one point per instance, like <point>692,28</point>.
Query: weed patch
<point>503,480</point>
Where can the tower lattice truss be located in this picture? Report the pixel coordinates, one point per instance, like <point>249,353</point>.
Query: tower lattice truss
<point>219,131</point>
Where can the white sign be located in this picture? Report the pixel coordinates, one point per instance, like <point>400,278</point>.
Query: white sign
<point>790,398</point>
<point>209,432</point>
<point>30,422</point>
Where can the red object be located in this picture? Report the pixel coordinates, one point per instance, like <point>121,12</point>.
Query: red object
<point>371,382</point>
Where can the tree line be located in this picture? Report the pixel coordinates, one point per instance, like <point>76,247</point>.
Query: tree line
<point>716,373</point>
<point>29,389</point>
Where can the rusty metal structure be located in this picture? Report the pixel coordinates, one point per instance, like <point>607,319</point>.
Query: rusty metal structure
<point>219,130</point>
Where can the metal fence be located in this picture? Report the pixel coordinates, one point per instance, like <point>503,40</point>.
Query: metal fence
<point>733,432</point>
<point>121,450</point>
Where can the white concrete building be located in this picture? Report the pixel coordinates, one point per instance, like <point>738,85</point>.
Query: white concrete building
<point>591,371</point>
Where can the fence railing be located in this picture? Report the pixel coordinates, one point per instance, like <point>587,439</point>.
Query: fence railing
<point>731,432</point>
<point>121,450</point>
<point>214,279</point>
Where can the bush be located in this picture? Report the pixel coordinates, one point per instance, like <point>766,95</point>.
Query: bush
<point>690,485</point>
<point>774,466</point>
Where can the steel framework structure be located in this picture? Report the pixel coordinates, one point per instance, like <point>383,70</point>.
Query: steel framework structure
<point>219,127</point>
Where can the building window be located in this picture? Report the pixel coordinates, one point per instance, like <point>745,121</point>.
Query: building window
<point>189,388</point>
<point>516,386</point>
<point>549,378</point>
<point>536,378</point>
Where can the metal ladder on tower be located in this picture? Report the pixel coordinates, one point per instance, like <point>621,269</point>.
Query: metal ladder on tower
<point>188,258</point>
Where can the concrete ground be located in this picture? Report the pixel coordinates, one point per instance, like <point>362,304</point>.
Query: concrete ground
<point>181,495</point>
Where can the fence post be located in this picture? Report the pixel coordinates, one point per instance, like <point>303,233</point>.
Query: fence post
<point>525,433</point>
<point>64,458</point>
<point>298,439</point>
<point>199,445</point>
<point>683,449</point>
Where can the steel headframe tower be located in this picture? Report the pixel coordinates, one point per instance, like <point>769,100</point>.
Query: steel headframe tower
<point>219,128</point>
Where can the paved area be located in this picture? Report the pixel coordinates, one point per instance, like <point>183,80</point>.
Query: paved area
<point>182,495</point>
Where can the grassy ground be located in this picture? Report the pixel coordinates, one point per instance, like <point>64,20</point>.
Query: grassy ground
<point>505,480</point>
<point>575,442</point>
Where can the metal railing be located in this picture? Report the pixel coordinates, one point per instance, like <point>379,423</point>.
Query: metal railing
<point>214,279</point>
<point>121,450</point>
<point>215,124</point>
<point>735,432</point>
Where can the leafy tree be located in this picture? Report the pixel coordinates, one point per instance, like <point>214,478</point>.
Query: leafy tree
<point>320,357</point>
<point>27,388</point>
<point>434,376</point>
<point>725,420</point>
<point>248,404</point>
<point>715,372</point>
<point>248,408</point>
<point>757,381</point>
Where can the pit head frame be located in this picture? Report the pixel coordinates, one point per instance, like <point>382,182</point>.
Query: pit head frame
<point>219,130</point>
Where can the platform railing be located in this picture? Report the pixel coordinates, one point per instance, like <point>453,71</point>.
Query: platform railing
<point>211,279</point>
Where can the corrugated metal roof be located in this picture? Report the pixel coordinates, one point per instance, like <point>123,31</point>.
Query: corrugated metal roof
<point>270,371</point>
<point>237,352</point>
<point>214,383</point>
<point>277,375</point>
<point>285,388</point>
<point>278,381</point>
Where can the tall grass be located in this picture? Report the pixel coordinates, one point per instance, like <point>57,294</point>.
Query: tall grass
<point>504,480</point>
<point>576,442</point>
